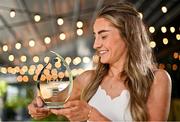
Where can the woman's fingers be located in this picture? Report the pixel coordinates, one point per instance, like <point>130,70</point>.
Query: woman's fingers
<point>39,102</point>
<point>64,111</point>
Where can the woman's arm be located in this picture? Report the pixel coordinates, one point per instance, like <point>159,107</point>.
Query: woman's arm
<point>79,83</point>
<point>160,96</point>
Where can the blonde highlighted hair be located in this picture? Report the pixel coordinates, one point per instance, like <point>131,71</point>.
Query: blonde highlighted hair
<point>139,64</point>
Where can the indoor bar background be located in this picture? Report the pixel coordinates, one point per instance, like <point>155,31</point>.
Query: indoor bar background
<point>29,29</point>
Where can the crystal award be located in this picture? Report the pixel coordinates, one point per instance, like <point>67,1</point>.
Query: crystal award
<point>55,82</point>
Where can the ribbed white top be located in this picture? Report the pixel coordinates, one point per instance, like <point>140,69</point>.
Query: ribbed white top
<point>116,109</point>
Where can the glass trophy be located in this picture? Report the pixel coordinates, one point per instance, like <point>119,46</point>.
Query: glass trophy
<point>55,82</point>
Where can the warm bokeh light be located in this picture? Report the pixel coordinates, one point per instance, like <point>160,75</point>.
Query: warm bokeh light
<point>60,21</point>
<point>19,78</point>
<point>161,66</point>
<point>37,18</point>
<point>43,78</point>
<point>77,60</point>
<point>49,66</point>
<point>165,41</point>
<point>36,59</point>
<point>86,60</point>
<point>57,64</point>
<point>12,13</point>
<point>174,67</point>
<point>33,67</point>
<point>68,60</point>
<point>79,32</point>
<point>11,58</point>
<point>23,58</point>
<point>164,9</point>
<point>46,59</point>
<point>62,36</point>
<point>178,36</point>
<point>79,24</point>
<point>163,29</point>
<point>24,68</point>
<point>61,74</point>
<point>31,43</point>
<point>151,29</point>
<point>54,72</point>
<point>35,77</point>
<point>47,40</point>
<point>46,72</point>
<point>175,55</point>
<point>152,44</point>
<point>5,48</point>
<point>25,78</point>
<point>18,46</point>
<point>31,71</point>
<point>172,29</point>
<point>3,70</point>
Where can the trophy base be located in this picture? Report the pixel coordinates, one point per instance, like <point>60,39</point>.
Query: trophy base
<point>53,105</point>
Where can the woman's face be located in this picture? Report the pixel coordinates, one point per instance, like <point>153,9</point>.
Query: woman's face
<point>109,44</point>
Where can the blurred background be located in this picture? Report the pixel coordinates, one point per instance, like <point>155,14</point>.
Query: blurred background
<point>29,29</point>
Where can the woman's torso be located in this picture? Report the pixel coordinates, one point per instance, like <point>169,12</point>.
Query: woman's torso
<point>115,109</point>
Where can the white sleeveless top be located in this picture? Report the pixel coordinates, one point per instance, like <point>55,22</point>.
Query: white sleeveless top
<point>116,109</point>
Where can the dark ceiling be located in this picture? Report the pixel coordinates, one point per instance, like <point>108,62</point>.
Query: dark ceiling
<point>22,28</point>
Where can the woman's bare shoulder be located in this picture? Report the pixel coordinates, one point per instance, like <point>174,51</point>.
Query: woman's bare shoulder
<point>162,77</point>
<point>85,77</point>
<point>160,96</point>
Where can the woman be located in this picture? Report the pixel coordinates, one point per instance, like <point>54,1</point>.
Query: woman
<point>126,84</point>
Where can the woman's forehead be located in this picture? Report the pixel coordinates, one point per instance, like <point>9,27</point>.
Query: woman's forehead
<point>102,24</point>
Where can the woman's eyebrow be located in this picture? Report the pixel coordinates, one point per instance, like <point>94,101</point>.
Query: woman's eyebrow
<point>101,31</point>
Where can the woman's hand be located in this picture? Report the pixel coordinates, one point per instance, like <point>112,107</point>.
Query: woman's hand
<point>36,109</point>
<point>74,110</point>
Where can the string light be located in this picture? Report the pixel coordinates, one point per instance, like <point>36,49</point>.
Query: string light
<point>37,18</point>
<point>18,46</point>
<point>25,78</point>
<point>79,32</point>
<point>11,57</point>
<point>36,59</point>
<point>12,13</point>
<point>152,44</point>
<point>163,29</point>
<point>165,41</point>
<point>174,67</point>
<point>175,55</point>
<point>178,36</point>
<point>46,59</point>
<point>68,60</point>
<point>4,70</point>
<point>172,29</point>
<point>62,36</point>
<point>60,21</point>
<point>86,60</point>
<point>151,29</point>
<point>77,60</point>
<point>164,9</point>
<point>161,66</point>
<point>79,24</point>
<point>5,48</point>
<point>19,78</point>
<point>31,43</point>
<point>23,58</point>
<point>47,40</point>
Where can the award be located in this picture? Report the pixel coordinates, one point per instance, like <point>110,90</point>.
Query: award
<point>55,82</point>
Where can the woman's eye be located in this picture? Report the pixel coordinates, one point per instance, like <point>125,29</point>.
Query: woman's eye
<point>103,37</point>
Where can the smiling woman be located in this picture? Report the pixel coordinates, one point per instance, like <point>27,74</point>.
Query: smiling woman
<point>126,85</point>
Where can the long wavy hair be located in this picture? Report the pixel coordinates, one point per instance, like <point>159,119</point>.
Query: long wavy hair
<point>139,65</point>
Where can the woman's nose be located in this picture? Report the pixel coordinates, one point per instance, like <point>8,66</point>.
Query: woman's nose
<point>96,44</point>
